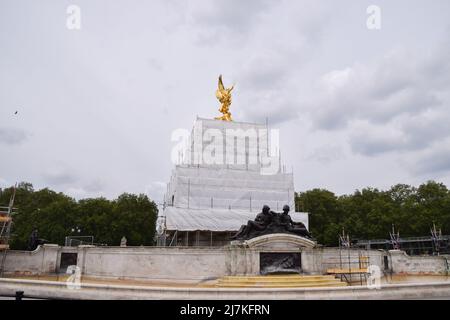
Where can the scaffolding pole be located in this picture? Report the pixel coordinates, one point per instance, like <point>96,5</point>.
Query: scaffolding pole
<point>5,222</point>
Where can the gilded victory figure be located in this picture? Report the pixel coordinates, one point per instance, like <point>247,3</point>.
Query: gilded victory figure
<point>224,96</point>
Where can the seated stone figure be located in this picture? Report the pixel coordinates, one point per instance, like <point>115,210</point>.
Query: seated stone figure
<point>293,227</point>
<point>261,222</point>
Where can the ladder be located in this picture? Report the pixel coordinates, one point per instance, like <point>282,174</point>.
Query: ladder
<point>5,228</point>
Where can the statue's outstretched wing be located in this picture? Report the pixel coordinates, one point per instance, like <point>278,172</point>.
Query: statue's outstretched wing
<point>221,86</point>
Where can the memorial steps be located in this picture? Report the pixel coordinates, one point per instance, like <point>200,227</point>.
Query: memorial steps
<point>279,281</point>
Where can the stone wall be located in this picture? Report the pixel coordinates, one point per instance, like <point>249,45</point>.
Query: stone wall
<point>152,263</point>
<point>196,263</point>
<point>319,260</point>
<point>176,263</point>
<point>404,264</point>
<point>43,260</point>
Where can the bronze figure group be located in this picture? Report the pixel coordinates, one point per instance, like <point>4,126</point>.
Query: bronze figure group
<point>268,222</point>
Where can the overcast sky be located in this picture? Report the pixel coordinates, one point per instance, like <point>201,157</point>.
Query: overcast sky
<point>96,107</point>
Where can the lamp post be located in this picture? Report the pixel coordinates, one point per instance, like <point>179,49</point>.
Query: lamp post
<point>75,230</point>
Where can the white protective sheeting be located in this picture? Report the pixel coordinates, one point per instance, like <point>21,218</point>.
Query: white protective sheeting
<point>223,195</point>
<point>228,140</point>
<point>200,187</point>
<point>183,219</point>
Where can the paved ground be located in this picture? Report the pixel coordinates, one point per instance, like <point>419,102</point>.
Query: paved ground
<point>439,298</point>
<point>404,280</point>
<point>124,282</point>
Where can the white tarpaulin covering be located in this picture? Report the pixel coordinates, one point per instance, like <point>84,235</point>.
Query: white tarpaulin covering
<point>219,196</point>
<point>183,219</point>
<point>202,185</point>
<point>199,187</point>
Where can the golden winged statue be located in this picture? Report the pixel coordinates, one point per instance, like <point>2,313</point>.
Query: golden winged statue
<point>224,96</point>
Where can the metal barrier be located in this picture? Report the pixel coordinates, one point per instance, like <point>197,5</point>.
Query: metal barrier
<point>349,263</point>
<point>19,296</point>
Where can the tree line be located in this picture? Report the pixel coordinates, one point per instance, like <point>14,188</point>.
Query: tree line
<point>57,215</point>
<point>370,213</point>
<point>366,214</point>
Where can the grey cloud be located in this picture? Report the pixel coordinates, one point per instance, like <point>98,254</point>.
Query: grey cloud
<point>277,23</point>
<point>370,140</point>
<point>81,189</point>
<point>12,136</point>
<point>217,19</point>
<point>282,114</point>
<point>156,189</point>
<point>59,177</point>
<point>378,92</point>
<point>437,67</point>
<point>436,163</point>
<point>394,73</point>
<point>276,116</point>
<point>264,81</point>
<point>427,128</point>
<point>94,186</point>
<point>372,146</point>
<point>155,64</point>
<point>396,105</point>
<point>410,101</point>
<point>326,153</point>
<point>435,160</point>
<point>272,40</point>
<point>272,105</point>
<point>403,134</point>
<point>97,99</point>
<point>266,71</point>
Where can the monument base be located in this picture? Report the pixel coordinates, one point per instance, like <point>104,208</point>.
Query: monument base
<point>268,254</point>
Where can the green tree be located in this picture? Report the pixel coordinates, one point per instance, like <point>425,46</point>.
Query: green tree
<point>135,218</point>
<point>325,214</point>
<point>370,213</point>
<point>56,215</point>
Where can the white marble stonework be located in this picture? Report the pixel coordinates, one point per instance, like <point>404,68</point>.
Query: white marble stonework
<point>187,263</point>
<point>244,256</point>
<point>280,242</point>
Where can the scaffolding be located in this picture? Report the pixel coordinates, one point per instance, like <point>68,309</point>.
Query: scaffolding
<point>434,244</point>
<point>353,262</point>
<point>6,215</point>
<point>196,238</point>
